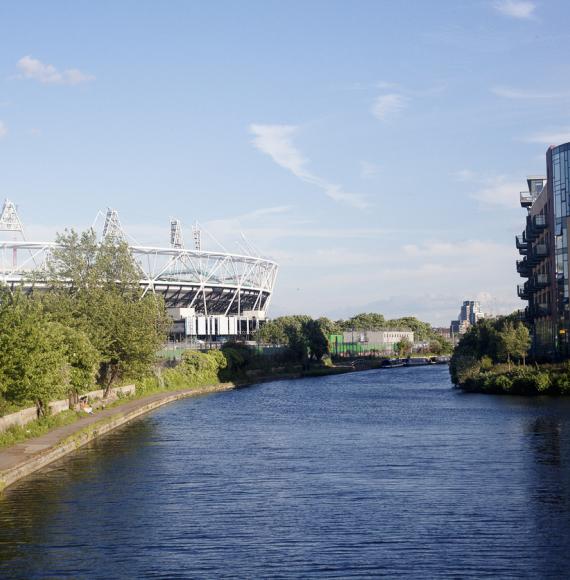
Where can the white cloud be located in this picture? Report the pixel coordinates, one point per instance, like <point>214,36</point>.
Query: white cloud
<point>499,191</point>
<point>388,106</point>
<point>464,175</point>
<point>550,138</point>
<point>368,170</point>
<point>521,9</point>
<point>3,130</point>
<point>470,248</point>
<point>32,68</point>
<point>277,142</point>
<point>521,94</point>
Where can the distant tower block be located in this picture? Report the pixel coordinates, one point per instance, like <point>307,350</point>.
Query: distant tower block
<point>197,236</point>
<point>112,229</point>
<point>176,234</point>
<point>10,222</point>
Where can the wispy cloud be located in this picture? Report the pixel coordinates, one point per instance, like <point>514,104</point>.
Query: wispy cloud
<point>522,94</point>
<point>389,105</point>
<point>521,9</point>
<point>464,175</point>
<point>32,68</point>
<point>3,130</point>
<point>473,248</point>
<point>499,191</point>
<point>368,170</point>
<point>277,142</point>
<point>550,137</point>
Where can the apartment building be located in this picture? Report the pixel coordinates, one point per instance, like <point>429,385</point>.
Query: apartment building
<point>543,246</point>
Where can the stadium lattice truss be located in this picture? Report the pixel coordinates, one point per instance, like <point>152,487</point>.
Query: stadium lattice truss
<point>210,282</point>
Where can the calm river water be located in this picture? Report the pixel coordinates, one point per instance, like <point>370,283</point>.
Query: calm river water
<point>381,473</point>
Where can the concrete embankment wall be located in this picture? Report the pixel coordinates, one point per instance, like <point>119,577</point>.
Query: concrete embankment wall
<point>116,417</point>
<point>24,416</point>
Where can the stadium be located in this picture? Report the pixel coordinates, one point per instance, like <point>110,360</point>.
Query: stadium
<point>210,295</point>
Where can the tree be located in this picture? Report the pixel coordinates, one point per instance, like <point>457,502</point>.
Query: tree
<point>33,363</point>
<point>508,342</point>
<point>316,339</point>
<point>95,289</point>
<point>440,346</point>
<point>83,359</point>
<point>302,335</point>
<point>522,342</point>
<point>363,321</point>
<point>403,348</point>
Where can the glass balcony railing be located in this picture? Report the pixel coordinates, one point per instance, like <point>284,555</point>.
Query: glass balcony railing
<point>522,244</point>
<point>523,267</point>
<point>539,221</point>
<point>527,199</point>
<point>522,291</point>
<point>535,225</point>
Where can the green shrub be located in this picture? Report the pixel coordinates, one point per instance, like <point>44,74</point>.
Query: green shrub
<point>561,383</point>
<point>542,382</point>
<point>503,383</point>
<point>486,363</point>
<point>464,367</point>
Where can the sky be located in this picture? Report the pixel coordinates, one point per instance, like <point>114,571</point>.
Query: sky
<point>374,149</point>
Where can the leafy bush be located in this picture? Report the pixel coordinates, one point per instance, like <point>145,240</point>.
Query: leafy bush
<point>486,363</point>
<point>541,382</point>
<point>561,383</point>
<point>463,367</point>
<point>503,383</point>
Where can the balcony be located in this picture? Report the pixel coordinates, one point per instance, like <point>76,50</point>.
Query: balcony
<point>538,253</point>
<point>539,222</point>
<point>539,281</point>
<point>522,291</point>
<point>523,268</point>
<point>522,244</point>
<point>527,199</point>
<point>535,225</point>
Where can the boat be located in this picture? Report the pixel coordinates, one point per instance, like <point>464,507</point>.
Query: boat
<point>391,363</point>
<point>417,361</point>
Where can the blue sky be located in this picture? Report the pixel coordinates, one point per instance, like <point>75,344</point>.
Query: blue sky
<point>375,149</point>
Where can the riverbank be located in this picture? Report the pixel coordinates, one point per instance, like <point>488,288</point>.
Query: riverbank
<point>529,380</point>
<point>24,458</point>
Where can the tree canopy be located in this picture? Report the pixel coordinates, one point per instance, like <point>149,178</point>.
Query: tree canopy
<point>96,291</point>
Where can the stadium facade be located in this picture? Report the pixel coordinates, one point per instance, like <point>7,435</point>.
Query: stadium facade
<point>211,295</point>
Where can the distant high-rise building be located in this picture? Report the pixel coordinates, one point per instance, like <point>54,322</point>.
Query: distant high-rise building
<point>470,313</point>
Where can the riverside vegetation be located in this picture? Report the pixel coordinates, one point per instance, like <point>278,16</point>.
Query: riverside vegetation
<point>302,334</point>
<point>94,327</point>
<point>491,357</point>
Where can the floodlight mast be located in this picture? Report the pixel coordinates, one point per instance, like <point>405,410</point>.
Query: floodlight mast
<point>197,236</point>
<point>176,240</point>
<point>112,229</point>
<point>10,222</point>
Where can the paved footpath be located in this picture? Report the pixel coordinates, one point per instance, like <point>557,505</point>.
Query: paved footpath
<point>24,458</point>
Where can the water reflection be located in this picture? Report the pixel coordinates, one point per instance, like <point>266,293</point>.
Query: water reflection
<point>545,439</point>
<point>377,473</point>
<point>68,488</point>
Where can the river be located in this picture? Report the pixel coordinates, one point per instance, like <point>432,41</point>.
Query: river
<point>380,473</point>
